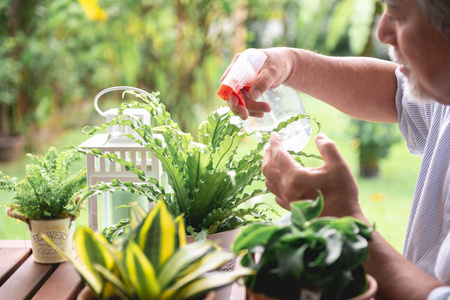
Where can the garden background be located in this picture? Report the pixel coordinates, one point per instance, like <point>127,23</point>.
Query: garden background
<point>56,55</point>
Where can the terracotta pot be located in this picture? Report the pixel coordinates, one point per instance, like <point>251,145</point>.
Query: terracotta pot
<point>371,290</point>
<point>257,296</point>
<point>88,294</point>
<point>367,295</point>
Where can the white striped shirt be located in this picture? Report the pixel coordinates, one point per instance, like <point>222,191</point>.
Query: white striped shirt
<point>426,128</point>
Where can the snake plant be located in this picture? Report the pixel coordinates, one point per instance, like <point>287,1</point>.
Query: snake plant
<point>306,255</point>
<point>208,177</point>
<point>151,260</point>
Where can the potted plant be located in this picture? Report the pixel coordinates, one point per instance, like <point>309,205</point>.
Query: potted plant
<point>374,141</point>
<point>45,200</point>
<point>209,180</point>
<point>151,260</point>
<point>307,257</point>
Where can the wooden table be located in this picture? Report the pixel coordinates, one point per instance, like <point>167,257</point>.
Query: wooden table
<point>22,278</point>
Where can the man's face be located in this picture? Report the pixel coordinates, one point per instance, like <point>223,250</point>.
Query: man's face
<point>422,52</point>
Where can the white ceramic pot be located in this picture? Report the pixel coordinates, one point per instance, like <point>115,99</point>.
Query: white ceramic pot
<point>224,240</point>
<point>59,231</point>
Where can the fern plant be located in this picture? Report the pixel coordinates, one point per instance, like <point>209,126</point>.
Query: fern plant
<point>208,178</point>
<point>48,188</point>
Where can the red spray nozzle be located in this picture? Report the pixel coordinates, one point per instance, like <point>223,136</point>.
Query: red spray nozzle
<point>242,74</point>
<point>225,91</point>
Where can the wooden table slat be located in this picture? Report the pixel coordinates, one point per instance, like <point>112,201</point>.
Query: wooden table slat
<point>15,244</point>
<point>26,280</point>
<point>10,260</point>
<point>64,283</point>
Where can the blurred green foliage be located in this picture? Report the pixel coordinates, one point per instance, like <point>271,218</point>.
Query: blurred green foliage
<point>55,57</point>
<point>373,141</point>
<point>326,26</point>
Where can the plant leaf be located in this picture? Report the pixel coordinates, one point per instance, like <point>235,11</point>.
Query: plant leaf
<point>179,222</point>
<point>225,151</point>
<point>181,259</point>
<point>113,279</point>
<point>141,273</point>
<point>218,124</point>
<point>137,214</point>
<point>157,237</point>
<point>209,262</point>
<point>306,210</point>
<point>211,281</point>
<point>290,261</point>
<point>355,250</point>
<point>91,250</point>
<point>254,235</point>
<point>334,243</point>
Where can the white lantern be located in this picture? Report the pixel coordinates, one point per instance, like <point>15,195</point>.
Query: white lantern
<point>101,169</point>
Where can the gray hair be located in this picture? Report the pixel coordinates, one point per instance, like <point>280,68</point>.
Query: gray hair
<point>437,13</point>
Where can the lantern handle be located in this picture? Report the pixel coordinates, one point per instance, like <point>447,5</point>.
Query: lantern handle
<point>115,88</point>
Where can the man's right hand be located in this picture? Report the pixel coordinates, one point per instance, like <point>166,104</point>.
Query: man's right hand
<point>275,71</point>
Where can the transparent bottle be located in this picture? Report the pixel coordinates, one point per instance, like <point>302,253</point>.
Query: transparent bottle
<point>285,103</point>
<point>284,100</point>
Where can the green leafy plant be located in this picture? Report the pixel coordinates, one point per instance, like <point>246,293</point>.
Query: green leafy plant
<point>48,189</point>
<point>208,178</point>
<point>318,254</point>
<point>151,260</point>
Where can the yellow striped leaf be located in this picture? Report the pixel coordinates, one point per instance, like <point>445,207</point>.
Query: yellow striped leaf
<point>169,235</point>
<point>141,273</point>
<point>137,214</point>
<point>211,281</point>
<point>181,231</point>
<point>114,280</point>
<point>181,259</point>
<point>91,250</point>
<point>207,263</point>
<point>157,236</point>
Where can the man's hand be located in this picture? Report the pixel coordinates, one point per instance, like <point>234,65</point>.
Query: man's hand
<point>275,71</point>
<point>290,181</point>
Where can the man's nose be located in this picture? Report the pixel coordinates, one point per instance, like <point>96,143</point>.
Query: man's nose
<point>386,32</point>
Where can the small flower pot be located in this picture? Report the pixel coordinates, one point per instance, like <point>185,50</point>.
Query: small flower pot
<point>88,294</point>
<point>59,231</point>
<point>224,239</point>
<point>369,294</point>
<point>372,288</point>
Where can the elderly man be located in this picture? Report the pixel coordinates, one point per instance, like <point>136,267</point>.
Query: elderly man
<point>415,92</point>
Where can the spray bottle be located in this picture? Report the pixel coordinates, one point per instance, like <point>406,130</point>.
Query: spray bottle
<point>284,101</point>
